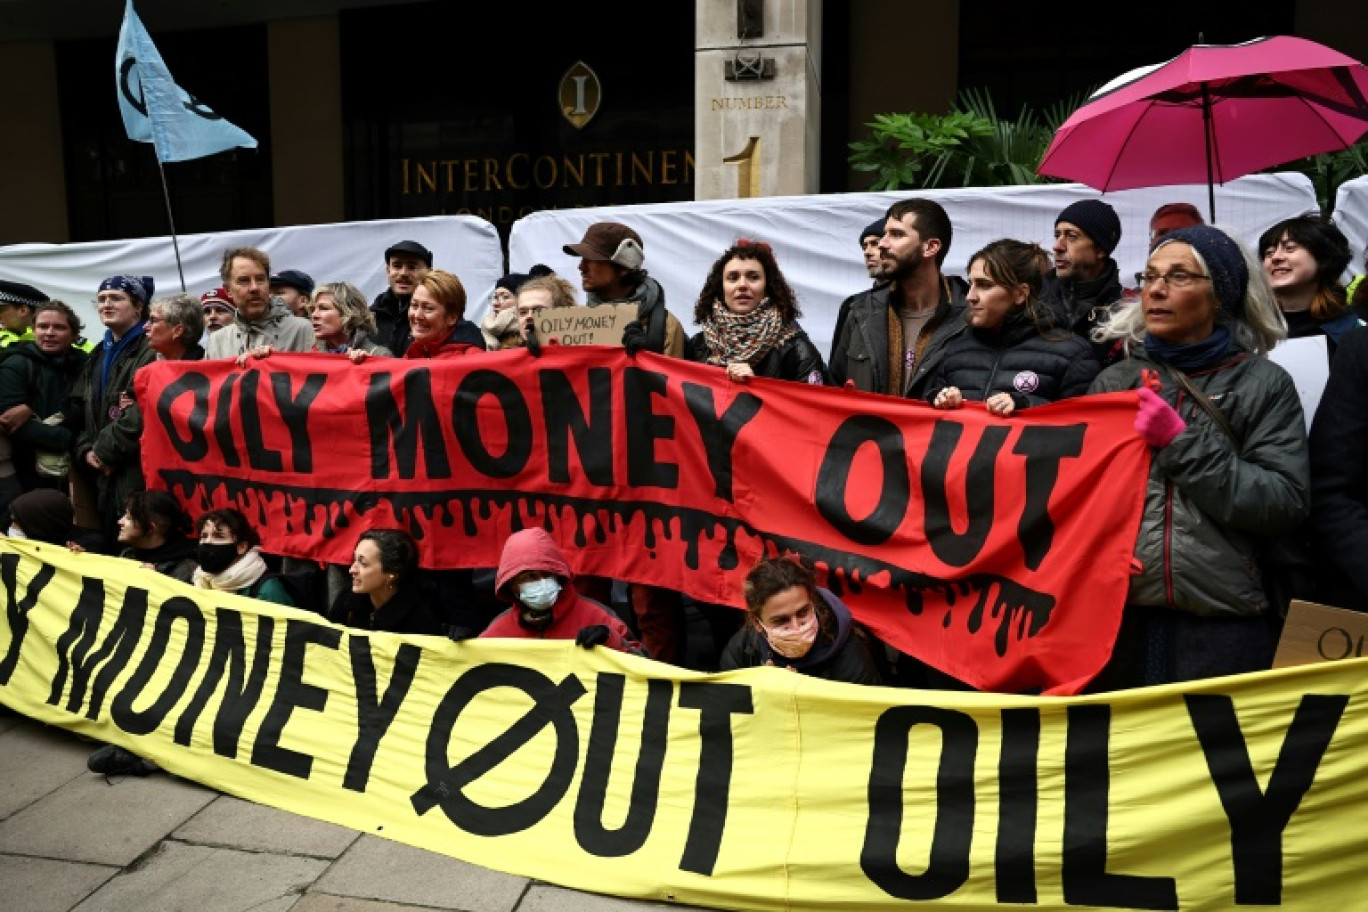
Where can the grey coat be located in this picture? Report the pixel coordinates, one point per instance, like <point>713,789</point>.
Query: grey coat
<point>1208,501</point>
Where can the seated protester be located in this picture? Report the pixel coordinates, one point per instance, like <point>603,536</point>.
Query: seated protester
<point>47,516</point>
<point>1013,357</point>
<point>388,590</point>
<point>155,531</point>
<point>534,575</point>
<point>230,559</point>
<point>793,624</point>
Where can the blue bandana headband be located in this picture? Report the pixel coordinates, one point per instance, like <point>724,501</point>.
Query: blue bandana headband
<point>139,289</point>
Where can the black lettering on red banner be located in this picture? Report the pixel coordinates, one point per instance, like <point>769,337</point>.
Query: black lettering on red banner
<point>566,418</point>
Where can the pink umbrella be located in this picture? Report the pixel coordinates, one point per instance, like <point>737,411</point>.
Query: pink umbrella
<point>1213,113</point>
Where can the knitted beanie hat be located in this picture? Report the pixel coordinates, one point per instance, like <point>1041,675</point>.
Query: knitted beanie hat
<point>1097,220</point>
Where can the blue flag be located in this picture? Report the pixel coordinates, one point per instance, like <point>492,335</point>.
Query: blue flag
<point>158,111</point>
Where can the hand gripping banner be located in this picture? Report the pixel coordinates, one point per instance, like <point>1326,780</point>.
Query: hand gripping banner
<point>997,550</point>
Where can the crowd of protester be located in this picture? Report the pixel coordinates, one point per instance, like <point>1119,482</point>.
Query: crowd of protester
<point>1232,468</point>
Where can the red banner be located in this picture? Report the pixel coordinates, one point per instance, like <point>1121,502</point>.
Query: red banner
<point>996,550</point>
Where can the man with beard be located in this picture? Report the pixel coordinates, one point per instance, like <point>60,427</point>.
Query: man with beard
<point>262,322</point>
<point>405,265</point>
<point>1085,283</point>
<point>895,333</point>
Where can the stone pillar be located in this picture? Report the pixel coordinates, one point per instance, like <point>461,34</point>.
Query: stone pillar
<point>757,135</point>
<point>306,120</point>
<point>32,163</point>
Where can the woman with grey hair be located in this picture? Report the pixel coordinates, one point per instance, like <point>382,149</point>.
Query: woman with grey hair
<point>1229,466</point>
<point>342,320</point>
<point>174,327</point>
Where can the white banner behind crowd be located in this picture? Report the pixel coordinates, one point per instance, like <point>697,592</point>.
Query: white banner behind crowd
<point>816,237</point>
<point>1351,215</point>
<point>345,252</point>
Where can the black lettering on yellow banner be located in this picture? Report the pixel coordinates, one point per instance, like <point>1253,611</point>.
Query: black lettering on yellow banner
<point>142,722</point>
<point>242,690</point>
<point>76,652</point>
<point>291,694</point>
<point>374,717</point>
<point>17,609</point>
<point>1258,817</point>
<point>717,703</point>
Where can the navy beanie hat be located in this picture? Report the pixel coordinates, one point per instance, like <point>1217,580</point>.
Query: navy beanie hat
<point>1097,220</point>
<point>873,229</point>
<point>1224,260</point>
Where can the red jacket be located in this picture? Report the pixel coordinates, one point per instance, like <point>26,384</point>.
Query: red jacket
<point>447,348</point>
<point>534,549</point>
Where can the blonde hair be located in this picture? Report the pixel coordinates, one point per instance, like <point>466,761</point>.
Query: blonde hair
<point>562,292</point>
<point>351,305</point>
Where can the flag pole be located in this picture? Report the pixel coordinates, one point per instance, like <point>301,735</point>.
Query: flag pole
<point>175,244</point>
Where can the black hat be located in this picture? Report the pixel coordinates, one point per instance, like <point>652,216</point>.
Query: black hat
<point>411,247</point>
<point>873,229</point>
<point>44,515</point>
<point>514,280</point>
<point>21,294</point>
<point>293,278</point>
<point>1097,220</point>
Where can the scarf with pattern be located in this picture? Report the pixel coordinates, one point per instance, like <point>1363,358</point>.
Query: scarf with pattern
<point>745,337</point>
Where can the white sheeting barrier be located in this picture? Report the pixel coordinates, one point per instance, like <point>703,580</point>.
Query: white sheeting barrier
<point>1351,215</point>
<point>815,238</point>
<point>345,252</point>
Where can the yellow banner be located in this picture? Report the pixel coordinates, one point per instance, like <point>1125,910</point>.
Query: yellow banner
<point>761,789</point>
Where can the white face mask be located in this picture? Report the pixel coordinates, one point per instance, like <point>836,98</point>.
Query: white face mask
<point>16,532</point>
<point>539,595</point>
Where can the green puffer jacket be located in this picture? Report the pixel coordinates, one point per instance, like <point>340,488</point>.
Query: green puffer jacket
<point>1209,501</point>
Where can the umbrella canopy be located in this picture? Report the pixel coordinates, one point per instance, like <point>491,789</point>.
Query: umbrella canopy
<point>1212,114</point>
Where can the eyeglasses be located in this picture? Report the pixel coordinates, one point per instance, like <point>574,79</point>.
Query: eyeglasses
<point>1175,279</point>
<point>153,321</point>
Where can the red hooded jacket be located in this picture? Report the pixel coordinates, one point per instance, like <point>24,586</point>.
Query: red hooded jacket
<point>534,549</point>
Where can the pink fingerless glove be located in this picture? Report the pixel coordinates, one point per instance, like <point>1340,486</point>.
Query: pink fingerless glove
<point>1156,420</point>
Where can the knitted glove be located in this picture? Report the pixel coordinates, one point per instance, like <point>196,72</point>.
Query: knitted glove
<point>634,337</point>
<point>591,636</point>
<point>532,342</point>
<point>1156,421</point>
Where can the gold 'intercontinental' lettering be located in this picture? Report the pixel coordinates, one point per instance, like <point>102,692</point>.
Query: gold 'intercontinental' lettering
<point>756,103</point>
<point>522,171</point>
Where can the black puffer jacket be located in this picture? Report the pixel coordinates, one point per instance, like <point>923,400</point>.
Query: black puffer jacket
<point>1209,501</point>
<point>797,359</point>
<point>1016,358</point>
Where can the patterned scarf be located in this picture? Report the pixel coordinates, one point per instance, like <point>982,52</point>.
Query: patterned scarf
<point>745,337</point>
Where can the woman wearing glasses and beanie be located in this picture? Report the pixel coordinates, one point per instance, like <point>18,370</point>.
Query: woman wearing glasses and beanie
<point>1229,466</point>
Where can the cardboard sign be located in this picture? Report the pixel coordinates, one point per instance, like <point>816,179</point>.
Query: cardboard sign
<point>1320,633</point>
<point>599,325</point>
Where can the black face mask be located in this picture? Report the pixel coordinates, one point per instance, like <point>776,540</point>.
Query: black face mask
<point>215,558</point>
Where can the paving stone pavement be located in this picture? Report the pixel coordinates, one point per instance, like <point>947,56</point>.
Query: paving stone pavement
<point>72,841</point>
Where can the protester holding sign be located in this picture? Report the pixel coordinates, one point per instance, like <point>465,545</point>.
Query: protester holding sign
<point>535,576</point>
<point>791,623</point>
<point>1229,464</point>
<point>500,325</point>
<point>388,591</point>
<point>1013,356</point>
<point>612,271</point>
<point>750,320</point>
<point>535,295</point>
<point>437,324</point>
